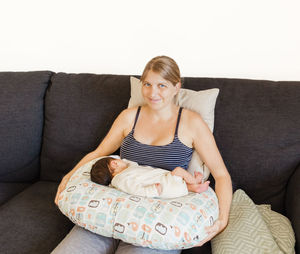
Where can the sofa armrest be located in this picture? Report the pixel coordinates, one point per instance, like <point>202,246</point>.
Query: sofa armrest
<point>292,204</point>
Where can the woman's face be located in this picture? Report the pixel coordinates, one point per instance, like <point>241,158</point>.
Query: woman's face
<point>157,91</point>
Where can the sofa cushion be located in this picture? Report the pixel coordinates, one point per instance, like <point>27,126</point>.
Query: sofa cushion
<point>256,130</point>
<point>254,229</point>
<point>292,204</point>
<point>80,109</point>
<point>31,223</point>
<point>21,114</point>
<point>8,190</point>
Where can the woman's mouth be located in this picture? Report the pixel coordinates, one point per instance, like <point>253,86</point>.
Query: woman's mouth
<point>152,100</point>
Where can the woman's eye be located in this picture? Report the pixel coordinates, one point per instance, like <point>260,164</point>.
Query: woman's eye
<point>162,85</point>
<point>146,84</point>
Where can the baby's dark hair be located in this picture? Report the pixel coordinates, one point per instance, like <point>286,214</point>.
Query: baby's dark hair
<point>100,171</point>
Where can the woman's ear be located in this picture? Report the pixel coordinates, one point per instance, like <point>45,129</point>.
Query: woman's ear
<point>178,86</point>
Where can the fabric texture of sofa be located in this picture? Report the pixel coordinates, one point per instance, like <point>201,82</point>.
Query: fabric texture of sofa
<point>49,121</point>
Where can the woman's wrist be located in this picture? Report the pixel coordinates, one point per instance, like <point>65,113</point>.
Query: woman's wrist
<point>223,223</point>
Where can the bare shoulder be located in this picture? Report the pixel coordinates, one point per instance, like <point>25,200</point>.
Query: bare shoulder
<point>128,113</point>
<point>195,123</point>
<point>192,118</point>
<point>126,118</point>
<point>191,124</point>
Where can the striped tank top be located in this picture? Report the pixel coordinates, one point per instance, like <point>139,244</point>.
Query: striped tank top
<point>170,156</point>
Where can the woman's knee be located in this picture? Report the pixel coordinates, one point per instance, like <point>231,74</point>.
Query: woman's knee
<point>80,241</point>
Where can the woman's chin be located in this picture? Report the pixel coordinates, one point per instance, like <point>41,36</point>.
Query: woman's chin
<point>155,105</point>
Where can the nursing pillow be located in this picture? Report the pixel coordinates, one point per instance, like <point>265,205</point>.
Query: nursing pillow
<point>177,223</point>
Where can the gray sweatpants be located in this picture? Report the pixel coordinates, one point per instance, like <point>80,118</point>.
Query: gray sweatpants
<point>81,241</point>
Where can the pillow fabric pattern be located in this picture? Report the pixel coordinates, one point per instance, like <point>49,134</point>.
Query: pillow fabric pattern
<point>280,227</point>
<point>177,223</point>
<point>254,229</point>
<point>203,102</point>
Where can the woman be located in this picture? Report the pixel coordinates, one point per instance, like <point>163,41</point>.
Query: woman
<point>159,134</point>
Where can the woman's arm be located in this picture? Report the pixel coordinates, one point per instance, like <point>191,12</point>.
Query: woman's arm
<point>187,176</point>
<point>109,144</point>
<point>204,143</point>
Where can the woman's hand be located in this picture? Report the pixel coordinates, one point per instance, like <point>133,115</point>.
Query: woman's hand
<point>213,230</point>
<point>61,187</point>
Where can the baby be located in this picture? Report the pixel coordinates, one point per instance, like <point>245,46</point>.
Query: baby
<point>147,181</point>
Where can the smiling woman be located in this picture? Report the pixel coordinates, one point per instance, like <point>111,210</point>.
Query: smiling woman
<point>161,79</point>
<point>159,134</point>
<point>158,91</point>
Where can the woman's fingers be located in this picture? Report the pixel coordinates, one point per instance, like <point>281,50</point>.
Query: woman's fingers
<point>60,188</point>
<point>214,228</point>
<point>211,231</point>
<point>56,198</point>
<point>57,194</point>
<point>208,238</point>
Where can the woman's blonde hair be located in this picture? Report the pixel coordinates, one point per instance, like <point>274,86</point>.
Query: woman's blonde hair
<point>165,67</point>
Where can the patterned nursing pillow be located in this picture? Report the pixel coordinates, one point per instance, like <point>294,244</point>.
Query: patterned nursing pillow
<point>176,223</point>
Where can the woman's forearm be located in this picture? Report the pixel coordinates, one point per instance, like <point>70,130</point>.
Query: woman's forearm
<point>223,190</point>
<point>90,156</point>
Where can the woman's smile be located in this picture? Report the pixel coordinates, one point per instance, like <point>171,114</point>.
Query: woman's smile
<point>157,91</point>
<point>154,100</point>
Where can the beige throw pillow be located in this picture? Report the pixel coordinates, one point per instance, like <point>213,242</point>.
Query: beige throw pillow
<point>254,229</point>
<point>280,227</point>
<point>203,102</point>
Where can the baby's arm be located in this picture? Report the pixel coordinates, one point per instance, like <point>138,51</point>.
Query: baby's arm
<point>187,177</point>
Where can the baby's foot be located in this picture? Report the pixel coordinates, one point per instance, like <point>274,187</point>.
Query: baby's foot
<point>198,177</point>
<point>158,188</point>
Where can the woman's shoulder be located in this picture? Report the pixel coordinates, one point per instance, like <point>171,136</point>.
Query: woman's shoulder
<point>192,119</point>
<point>190,115</point>
<point>127,116</point>
<point>128,113</point>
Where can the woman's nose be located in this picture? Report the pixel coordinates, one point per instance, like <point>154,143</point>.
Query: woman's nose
<point>153,90</point>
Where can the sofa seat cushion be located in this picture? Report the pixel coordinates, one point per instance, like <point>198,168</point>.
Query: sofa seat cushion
<point>8,190</point>
<point>31,223</point>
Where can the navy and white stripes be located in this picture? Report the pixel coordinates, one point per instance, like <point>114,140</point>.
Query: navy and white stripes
<point>170,156</point>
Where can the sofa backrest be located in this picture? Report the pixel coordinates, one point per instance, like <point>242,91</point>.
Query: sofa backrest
<point>21,124</point>
<point>80,109</point>
<point>257,127</point>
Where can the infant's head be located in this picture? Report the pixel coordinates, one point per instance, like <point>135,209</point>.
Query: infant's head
<point>105,169</point>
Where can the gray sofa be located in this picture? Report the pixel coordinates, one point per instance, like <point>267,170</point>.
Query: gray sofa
<point>49,121</point>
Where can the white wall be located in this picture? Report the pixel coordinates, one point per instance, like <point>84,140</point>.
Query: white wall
<point>257,39</point>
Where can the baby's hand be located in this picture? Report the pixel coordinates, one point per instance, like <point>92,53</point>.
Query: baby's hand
<point>158,188</point>
<point>199,177</point>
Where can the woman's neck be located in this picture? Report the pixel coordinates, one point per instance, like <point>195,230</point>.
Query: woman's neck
<point>165,113</point>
